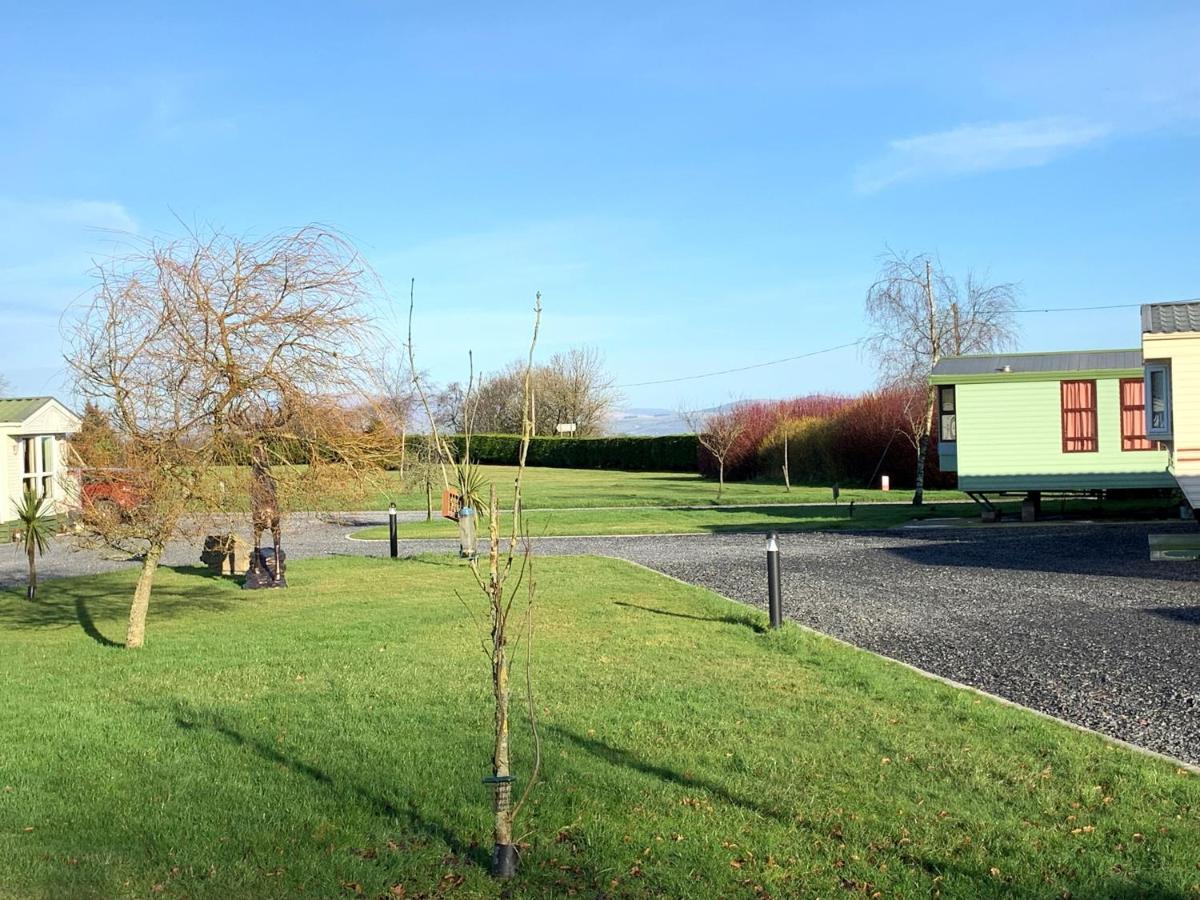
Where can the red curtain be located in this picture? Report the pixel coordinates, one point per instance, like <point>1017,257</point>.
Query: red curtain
<point>1133,415</point>
<point>1079,416</point>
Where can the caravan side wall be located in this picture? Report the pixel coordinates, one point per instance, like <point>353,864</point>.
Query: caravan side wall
<point>1010,439</point>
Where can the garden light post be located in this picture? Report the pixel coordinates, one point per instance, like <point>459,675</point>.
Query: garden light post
<point>774,604</point>
<point>392,530</point>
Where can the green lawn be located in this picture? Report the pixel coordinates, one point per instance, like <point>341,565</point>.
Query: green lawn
<point>637,520</point>
<point>328,740</point>
<point>566,488</point>
<point>559,522</point>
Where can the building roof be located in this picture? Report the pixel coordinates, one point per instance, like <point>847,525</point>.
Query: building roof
<point>1170,318</point>
<point>18,409</point>
<point>1001,364</point>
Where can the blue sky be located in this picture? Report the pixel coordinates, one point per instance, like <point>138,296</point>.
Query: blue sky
<point>692,187</point>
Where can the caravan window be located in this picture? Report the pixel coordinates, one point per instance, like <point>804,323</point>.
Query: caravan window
<point>1079,432</point>
<point>947,417</point>
<point>1133,415</point>
<point>1158,401</point>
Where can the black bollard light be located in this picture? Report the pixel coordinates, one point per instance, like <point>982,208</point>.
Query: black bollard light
<point>774,603</point>
<point>392,531</point>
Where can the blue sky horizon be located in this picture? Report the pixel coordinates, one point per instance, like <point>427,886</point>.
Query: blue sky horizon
<point>691,187</point>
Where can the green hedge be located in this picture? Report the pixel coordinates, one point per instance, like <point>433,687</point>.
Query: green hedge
<point>670,453</point>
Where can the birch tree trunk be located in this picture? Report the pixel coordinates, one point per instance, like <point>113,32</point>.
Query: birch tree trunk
<point>135,636</point>
<point>923,447</point>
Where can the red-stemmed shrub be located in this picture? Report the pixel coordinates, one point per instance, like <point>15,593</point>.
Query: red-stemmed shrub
<point>831,439</point>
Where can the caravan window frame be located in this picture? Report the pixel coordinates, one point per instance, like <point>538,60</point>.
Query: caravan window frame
<point>1166,430</point>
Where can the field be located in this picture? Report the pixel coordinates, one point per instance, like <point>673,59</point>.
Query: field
<point>714,520</point>
<point>641,520</point>
<point>591,488</point>
<point>329,740</point>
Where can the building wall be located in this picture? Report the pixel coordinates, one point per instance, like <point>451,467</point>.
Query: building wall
<point>1010,438</point>
<point>12,469</point>
<point>8,466</point>
<point>1182,351</point>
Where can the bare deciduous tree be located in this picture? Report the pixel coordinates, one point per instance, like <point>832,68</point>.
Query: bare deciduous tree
<point>920,314</point>
<point>398,398</point>
<point>575,388</point>
<point>572,388</point>
<point>211,351</point>
<point>718,432</point>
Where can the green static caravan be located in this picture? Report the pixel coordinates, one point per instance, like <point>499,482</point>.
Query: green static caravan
<point>1035,422</point>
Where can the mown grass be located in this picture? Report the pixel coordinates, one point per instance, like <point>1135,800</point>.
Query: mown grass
<point>328,740</point>
<point>568,488</point>
<point>868,516</point>
<point>636,520</point>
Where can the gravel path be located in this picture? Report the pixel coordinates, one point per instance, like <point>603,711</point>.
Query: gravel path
<point>1073,620</point>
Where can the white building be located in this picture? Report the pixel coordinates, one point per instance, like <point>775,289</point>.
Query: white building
<point>33,432</point>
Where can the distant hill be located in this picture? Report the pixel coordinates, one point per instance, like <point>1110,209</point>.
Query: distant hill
<point>649,421</point>
<point>645,421</point>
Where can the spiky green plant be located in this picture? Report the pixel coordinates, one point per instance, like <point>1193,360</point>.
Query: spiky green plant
<point>471,482</point>
<point>37,527</point>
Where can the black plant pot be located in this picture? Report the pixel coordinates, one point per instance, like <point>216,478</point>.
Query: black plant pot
<point>504,861</point>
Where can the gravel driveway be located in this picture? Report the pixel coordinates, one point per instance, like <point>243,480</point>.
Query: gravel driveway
<point>1073,620</point>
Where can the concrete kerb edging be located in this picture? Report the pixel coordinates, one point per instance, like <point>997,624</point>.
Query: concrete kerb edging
<point>950,682</point>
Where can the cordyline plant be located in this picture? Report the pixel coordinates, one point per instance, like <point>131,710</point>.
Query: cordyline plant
<point>508,567</point>
<point>37,527</point>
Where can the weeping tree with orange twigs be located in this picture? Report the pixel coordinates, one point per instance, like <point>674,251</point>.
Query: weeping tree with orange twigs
<point>204,353</point>
<point>505,575</point>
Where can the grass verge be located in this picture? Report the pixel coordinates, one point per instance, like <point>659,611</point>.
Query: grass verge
<point>329,739</point>
<point>565,488</point>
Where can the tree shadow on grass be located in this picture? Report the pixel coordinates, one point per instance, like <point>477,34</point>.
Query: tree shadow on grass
<point>99,603</point>
<point>747,619</point>
<point>977,875</point>
<point>89,625</point>
<point>625,759</point>
<point>191,720</point>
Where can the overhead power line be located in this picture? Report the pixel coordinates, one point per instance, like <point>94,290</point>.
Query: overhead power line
<point>787,359</point>
<point>1054,309</point>
<point>761,365</point>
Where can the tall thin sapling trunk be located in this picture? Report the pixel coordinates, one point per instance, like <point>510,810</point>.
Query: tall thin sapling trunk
<point>500,596</point>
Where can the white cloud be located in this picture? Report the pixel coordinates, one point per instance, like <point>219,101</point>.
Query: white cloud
<point>971,149</point>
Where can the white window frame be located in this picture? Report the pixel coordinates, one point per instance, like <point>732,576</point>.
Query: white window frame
<point>42,477</point>
<point>1166,431</point>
